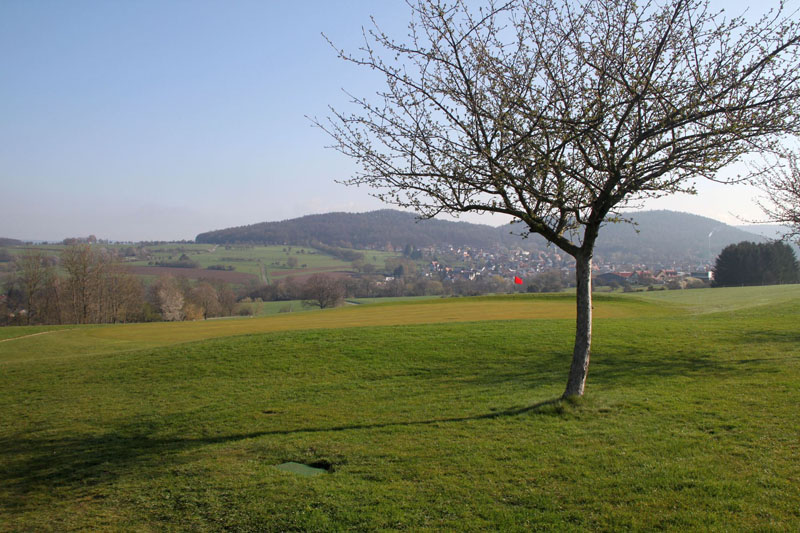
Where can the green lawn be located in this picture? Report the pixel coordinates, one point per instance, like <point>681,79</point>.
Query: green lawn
<point>689,423</point>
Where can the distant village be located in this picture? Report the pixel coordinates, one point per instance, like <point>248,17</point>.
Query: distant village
<point>450,263</point>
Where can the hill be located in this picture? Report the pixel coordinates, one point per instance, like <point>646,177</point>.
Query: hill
<point>663,236</point>
<point>654,236</point>
<point>5,241</point>
<point>374,229</point>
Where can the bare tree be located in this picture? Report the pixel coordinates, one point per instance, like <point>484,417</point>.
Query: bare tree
<point>781,185</point>
<point>227,298</point>
<point>85,269</point>
<point>124,295</point>
<point>559,113</point>
<point>34,275</point>
<point>324,290</point>
<point>206,298</point>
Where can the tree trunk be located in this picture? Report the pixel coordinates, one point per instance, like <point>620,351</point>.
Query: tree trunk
<point>583,330</point>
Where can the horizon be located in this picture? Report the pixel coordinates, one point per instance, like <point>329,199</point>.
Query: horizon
<point>744,227</point>
<point>153,121</point>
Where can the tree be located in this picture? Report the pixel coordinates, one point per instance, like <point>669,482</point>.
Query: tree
<point>749,263</point>
<point>85,269</point>
<point>324,290</point>
<point>170,299</point>
<point>781,185</point>
<point>124,295</point>
<point>560,113</point>
<point>206,298</point>
<point>34,274</point>
<point>549,281</point>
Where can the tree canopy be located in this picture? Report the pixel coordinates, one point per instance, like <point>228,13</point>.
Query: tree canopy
<point>559,113</point>
<point>781,185</point>
<point>749,263</point>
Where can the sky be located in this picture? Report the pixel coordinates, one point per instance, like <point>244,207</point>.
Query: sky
<point>159,120</point>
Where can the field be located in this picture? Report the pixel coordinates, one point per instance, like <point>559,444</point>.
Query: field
<point>257,261</point>
<point>439,414</point>
<point>244,263</point>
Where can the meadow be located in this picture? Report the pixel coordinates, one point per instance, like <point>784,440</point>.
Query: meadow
<point>426,415</point>
<point>242,263</point>
<point>258,260</point>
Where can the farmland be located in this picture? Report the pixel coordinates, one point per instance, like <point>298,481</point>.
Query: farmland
<point>237,264</point>
<point>274,261</point>
<point>435,414</point>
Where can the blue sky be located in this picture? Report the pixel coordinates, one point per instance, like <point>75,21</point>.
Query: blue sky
<point>164,119</point>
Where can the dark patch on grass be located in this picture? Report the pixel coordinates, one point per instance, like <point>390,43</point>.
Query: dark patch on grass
<point>322,464</point>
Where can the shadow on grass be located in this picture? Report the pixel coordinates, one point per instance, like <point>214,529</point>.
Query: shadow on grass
<point>637,365</point>
<point>633,365</point>
<point>75,465</point>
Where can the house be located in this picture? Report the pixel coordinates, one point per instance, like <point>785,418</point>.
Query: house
<point>666,275</point>
<point>611,277</point>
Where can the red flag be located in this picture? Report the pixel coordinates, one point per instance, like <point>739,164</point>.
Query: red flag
<point>517,280</point>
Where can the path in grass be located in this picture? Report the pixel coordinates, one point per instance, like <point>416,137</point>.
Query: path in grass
<point>27,336</point>
<point>19,332</point>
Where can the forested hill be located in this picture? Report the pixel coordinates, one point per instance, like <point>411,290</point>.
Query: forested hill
<point>659,236</point>
<point>656,235</point>
<point>375,229</point>
<point>5,241</point>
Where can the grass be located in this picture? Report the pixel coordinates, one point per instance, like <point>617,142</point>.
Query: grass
<point>689,423</point>
<point>93,340</point>
<point>723,298</point>
<point>245,259</point>
<point>296,306</point>
<point>249,259</point>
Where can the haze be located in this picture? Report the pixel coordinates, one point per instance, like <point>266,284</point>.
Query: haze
<point>161,120</point>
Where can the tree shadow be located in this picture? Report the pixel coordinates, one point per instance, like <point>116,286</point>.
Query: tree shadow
<point>632,364</point>
<point>29,465</point>
<point>624,369</point>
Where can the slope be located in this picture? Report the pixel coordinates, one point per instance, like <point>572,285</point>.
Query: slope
<point>654,236</point>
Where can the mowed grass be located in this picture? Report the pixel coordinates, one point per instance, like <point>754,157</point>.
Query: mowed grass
<point>690,422</point>
<point>94,340</point>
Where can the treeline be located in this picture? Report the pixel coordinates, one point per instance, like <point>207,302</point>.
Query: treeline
<point>5,241</point>
<point>340,253</point>
<point>184,261</point>
<point>327,290</point>
<point>750,263</point>
<point>88,284</point>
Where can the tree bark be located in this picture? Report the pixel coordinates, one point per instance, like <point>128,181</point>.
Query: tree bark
<point>583,331</point>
